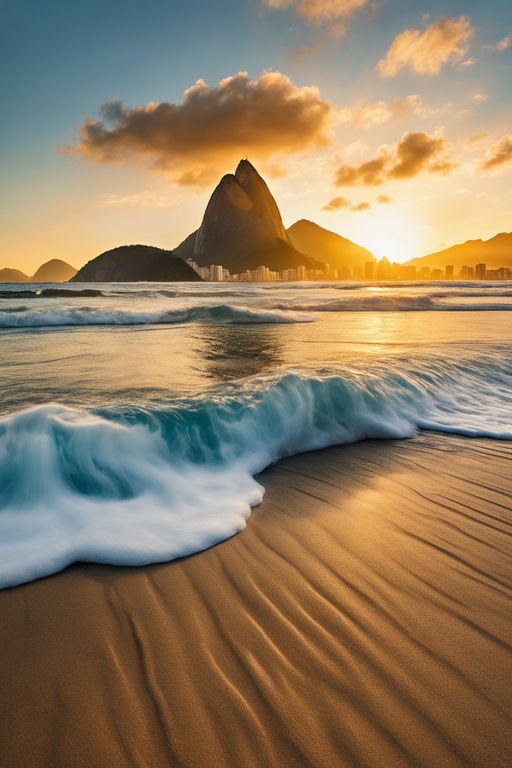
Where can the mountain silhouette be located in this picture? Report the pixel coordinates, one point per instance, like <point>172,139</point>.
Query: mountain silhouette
<point>134,263</point>
<point>53,271</point>
<point>496,252</point>
<point>327,246</point>
<point>242,228</point>
<point>8,275</point>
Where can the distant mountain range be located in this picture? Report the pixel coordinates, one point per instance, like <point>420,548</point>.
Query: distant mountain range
<point>496,252</point>
<point>53,271</point>
<point>242,229</point>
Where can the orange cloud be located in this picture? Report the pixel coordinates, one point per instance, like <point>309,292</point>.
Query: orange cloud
<point>361,207</point>
<point>336,204</point>
<point>498,155</point>
<point>331,12</point>
<point>384,199</point>
<point>367,114</point>
<point>414,153</point>
<point>446,40</point>
<point>213,127</point>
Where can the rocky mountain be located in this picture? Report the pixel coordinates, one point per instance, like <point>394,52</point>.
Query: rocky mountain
<point>134,263</point>
<point>496,252</point>
<point>8,275</point>
<point>242,228</point>
<point>327,246</point>
<point>53,271</point>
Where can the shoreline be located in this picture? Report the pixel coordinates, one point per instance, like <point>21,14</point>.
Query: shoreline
<point>363,618</point>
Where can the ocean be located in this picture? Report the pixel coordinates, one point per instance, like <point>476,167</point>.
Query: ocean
<point>134,417</point>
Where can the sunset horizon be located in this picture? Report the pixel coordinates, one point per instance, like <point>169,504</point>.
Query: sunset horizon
<point>408,154</point>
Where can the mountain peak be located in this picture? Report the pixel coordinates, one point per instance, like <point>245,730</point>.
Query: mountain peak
<point>241,218</point>
<point>245,167</point>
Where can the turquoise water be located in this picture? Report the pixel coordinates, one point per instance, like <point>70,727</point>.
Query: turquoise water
<point>133,422</point>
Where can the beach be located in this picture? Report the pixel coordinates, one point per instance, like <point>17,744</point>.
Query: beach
<point>362,619</point>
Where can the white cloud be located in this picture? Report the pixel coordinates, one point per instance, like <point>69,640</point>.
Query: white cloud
<point>500,46</point>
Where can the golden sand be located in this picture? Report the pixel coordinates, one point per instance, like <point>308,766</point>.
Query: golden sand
<point>363,619</point>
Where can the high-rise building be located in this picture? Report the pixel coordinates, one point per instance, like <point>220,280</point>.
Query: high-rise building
<point>481,271</point>
<point>301,272</point>
<point>448,272</point>
<point>384,269</point>
<point>369,270</point>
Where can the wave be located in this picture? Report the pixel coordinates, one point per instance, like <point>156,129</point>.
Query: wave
<point>51,293</point>
<point>411,303</point>
<point>223,313</point>
<point>141,485</point>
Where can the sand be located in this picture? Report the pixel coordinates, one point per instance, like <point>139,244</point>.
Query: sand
<point>363,619</point>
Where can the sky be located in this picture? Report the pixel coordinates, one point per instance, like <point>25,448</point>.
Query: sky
<point>389,122</point>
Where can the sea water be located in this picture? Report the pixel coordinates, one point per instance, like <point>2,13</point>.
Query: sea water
<point>134,417</point>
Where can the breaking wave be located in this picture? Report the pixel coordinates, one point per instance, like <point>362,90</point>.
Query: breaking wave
<point>141,485</point>
<point>224,313</point>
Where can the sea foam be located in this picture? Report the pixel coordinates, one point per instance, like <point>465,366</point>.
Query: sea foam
<point>141,485</point>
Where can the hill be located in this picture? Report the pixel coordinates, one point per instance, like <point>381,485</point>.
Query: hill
<point>54,271</point>
<point>327,246</point>
<point>496,252</point>
<point>134,263</point>
<point>8,275</point>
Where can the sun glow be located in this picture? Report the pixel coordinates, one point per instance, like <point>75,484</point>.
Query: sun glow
<point>393,236</point>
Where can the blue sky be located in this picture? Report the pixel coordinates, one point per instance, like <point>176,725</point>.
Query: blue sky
<point>61,61</point>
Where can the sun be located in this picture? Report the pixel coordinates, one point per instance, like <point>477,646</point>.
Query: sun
<point>393,236</point>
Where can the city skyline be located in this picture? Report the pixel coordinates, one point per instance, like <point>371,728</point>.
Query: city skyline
<point>381,270</point>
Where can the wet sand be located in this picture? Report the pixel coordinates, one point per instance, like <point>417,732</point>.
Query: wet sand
<point>363,619</point>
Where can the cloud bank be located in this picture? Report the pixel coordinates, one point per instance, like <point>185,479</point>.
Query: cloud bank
<point>211,129</point>
<point>446,40</point>
<point>414,153</point>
